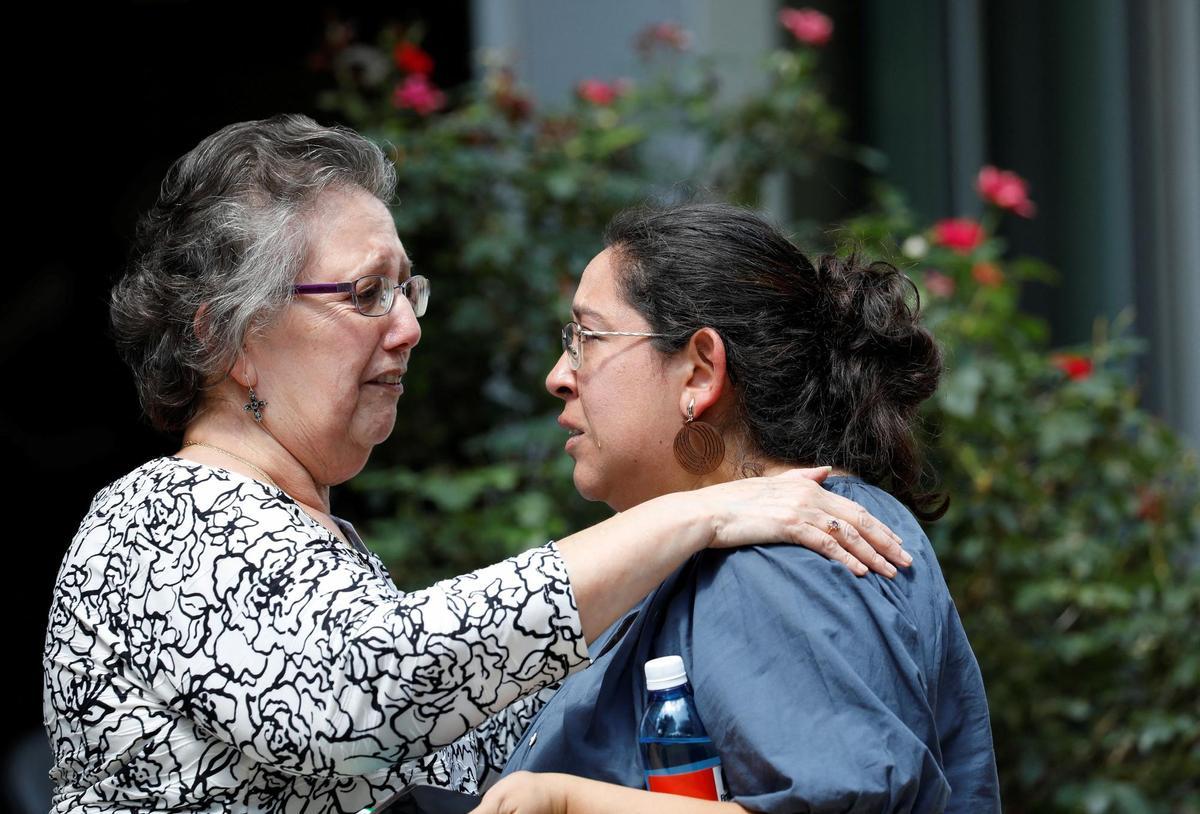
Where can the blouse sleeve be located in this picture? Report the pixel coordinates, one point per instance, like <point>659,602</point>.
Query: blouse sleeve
<point>293,648</point>
<point>812,688</point>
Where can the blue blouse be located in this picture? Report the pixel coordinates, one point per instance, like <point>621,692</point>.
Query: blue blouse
<point>822,691</point>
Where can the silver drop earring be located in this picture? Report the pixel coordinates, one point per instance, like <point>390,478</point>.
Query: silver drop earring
<point>255,406</point>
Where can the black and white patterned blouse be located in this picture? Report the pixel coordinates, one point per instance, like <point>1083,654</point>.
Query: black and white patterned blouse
<point>211,647</point>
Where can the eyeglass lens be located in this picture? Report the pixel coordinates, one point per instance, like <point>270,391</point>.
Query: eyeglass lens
<point>374,294</point>
<point>571,344</point>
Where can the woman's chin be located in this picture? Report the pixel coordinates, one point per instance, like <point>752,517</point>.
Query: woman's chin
<point>380,430</point>
<point>596,491</point>
<point>587,487</point>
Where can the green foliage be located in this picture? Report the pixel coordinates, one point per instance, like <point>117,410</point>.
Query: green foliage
<point>1073,536</point>
<point>1071,542</point>
<point>503,205</point>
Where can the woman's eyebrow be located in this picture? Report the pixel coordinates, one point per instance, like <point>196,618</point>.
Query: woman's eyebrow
<point>381,263</point>
<point>581,312</point>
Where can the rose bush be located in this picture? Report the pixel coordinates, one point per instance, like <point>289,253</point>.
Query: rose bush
<point>1071,541</point>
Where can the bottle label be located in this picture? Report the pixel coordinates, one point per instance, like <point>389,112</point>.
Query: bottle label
<point>701,780</point>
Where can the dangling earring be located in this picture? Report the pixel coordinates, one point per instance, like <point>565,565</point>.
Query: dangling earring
<point>255,406</point>
<point>698,446</point>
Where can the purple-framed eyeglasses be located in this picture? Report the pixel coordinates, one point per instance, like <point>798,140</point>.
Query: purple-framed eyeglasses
<point>374,294</point>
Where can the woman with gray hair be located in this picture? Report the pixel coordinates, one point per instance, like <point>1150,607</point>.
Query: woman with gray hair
<point>217,639</point>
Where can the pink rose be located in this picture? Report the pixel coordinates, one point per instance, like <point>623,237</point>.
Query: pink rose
<point>670,36</point>
<point>417,93</point>
<point>939,285</point>
<point>1006,190</point>
<point>600,93</point>
<point>963,235</point>
<point>807,25</point>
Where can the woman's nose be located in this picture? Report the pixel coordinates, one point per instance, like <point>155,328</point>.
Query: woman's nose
<point>404,329</point>
<point>560,381</point>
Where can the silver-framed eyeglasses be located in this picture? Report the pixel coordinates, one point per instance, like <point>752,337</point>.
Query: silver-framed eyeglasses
<point>573,336</point>
<point>374,294</point>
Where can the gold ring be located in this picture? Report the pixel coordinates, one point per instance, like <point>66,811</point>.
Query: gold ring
<point>834,526</point>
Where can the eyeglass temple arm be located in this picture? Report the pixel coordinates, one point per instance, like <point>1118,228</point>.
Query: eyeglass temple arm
<point>586,332</point>
<point>322,288</point>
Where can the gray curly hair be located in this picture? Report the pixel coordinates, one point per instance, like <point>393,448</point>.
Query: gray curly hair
<point>229,233</point>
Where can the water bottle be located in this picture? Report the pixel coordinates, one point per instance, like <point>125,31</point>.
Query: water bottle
<point>678,757</point>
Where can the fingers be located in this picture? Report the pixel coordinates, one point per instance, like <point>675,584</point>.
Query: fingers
<point>814,539</point>
<point>793,505</point>
<point>854,544</point>
<point>884,543</point>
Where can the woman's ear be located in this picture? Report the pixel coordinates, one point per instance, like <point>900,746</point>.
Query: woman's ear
<point>242,371</point>
<point>704,359</point>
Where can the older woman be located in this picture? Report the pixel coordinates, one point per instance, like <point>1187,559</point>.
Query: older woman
<point>821,692</point>
<point>218,640</point>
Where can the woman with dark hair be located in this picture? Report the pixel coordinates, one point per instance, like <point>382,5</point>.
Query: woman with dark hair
<point>218,639</point>
<point>704,348</point>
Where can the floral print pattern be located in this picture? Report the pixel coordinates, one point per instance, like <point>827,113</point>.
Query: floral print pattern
<point>211,647</point>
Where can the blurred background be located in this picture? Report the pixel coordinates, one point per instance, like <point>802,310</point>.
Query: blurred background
<point>1067,294</point>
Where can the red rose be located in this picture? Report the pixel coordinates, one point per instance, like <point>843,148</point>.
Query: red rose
<point>988,274</point>
<point>1075,366</point>
<point>963,235</point>
<point>412,59</point>
<point>807,25</point>
<point>419,94</point>
<point>1006,190</point>
<point>597,92</point>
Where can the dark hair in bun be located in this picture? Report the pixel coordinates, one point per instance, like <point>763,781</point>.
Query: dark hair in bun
<point>829,362</point>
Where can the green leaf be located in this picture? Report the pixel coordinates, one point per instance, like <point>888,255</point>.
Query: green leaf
<point>960,391</point>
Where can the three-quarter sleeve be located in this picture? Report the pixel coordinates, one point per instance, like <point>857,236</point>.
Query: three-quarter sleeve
<point>315,666</point>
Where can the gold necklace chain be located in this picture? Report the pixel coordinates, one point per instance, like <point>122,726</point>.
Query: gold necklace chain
<point>235,456</point>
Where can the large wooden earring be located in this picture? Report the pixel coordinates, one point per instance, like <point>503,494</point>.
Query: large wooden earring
<point>699,448</point>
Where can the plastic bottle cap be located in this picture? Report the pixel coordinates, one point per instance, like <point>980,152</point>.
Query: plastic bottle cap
<point>664,673</point>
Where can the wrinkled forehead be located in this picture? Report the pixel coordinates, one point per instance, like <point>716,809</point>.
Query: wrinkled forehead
<point>351,232</point>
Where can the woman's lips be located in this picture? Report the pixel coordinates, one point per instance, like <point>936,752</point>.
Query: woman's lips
<point>396,387</point>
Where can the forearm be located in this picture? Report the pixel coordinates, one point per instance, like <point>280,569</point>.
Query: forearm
<point>585,796</point>
<point>614,564</point>
<point>555,793</point>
